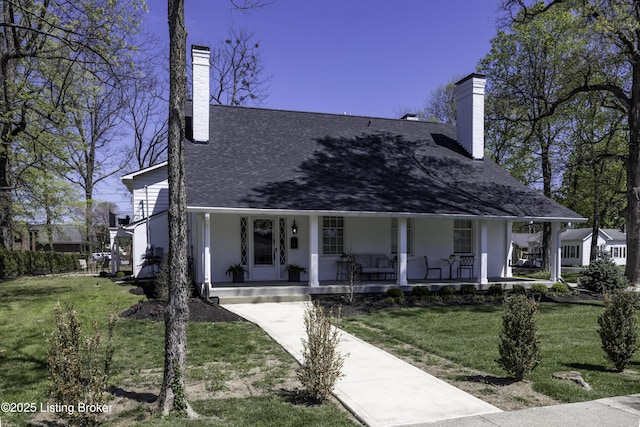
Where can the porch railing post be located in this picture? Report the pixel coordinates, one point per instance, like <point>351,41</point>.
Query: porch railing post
<point>313,250</point>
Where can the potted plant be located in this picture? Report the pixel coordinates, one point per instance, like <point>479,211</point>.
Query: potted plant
<point>236,271</point>
<point>294,271</point>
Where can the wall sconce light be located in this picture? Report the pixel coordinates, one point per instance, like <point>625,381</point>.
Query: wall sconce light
<point>294,227</point>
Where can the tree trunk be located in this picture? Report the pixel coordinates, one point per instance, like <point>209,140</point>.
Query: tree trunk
<point>633,180</point>
<point>6,194</point>
<point>8,72</point>
<point>172,395</point>
<point>546,188</point>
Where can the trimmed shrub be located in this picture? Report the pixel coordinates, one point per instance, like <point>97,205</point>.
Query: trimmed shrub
<point>468,290</point>
<point>20,263</point>
<point>518,290</point>
<point>539,289</point>
<point>560,288</point>
<point>395,295</point>
<point>495,291</point>
<point>446,292</point>
<point>321,362</point>
<point>618,327</point>
<point>78,365</point>
<point>420,292</point>
<point>519,343</point>
<point>603,275</point>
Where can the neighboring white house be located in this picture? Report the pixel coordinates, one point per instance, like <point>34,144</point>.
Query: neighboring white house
<point>576,245</point>
<point>268,188</point>
<point>150,229</point>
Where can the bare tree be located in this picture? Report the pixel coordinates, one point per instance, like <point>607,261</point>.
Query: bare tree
<point>237,70</point>
<point>441,105</point>
<point>147,108</point>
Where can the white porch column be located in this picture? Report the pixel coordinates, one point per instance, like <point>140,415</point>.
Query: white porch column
<point>483,252</point>
<point>402,251</point>
<point>507,271</point>
<point>555,252</point>
<point>112,244</point>
<point>313,250</point>
<point>206,250</point>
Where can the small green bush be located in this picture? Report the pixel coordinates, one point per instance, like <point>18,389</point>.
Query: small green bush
<point>603,275</point>
<point>395,295</point>
<point>560,288</point>
<point>161,289</point>
<point>446,291</point>
<point>539,289</point>
<point>495,291</point>
<point>519,343</point>
<point>469,290</point>
<point>618,327</point>
<point>420,292</point>
<point>518,290</point>
<point>321,361</point>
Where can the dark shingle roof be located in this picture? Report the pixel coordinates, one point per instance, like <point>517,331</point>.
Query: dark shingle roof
<point>271,159</point>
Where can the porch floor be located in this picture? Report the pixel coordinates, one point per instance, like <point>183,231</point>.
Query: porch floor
<point>281,291</point>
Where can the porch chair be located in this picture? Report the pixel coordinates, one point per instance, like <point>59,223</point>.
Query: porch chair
<point>428,269</point>
<point>465,263</point>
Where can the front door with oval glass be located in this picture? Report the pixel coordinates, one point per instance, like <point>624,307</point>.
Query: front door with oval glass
<point>264,256</point>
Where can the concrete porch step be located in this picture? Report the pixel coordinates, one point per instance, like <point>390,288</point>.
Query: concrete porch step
<point>255,299</point>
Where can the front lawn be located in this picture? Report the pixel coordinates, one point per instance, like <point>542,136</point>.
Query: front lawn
<point>468,335</point>
<point>237,375</point>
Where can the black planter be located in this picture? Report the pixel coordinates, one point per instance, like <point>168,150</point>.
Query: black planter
<point>238,277</point>
<point>294,276</point>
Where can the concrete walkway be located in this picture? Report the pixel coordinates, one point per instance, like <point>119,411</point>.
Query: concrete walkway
<point>622,411</point>
<point>378,388</point>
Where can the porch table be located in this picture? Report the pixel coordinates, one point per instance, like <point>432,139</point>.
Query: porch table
<point>450,261</point>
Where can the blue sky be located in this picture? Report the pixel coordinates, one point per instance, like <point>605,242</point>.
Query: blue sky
<point>360,57</point>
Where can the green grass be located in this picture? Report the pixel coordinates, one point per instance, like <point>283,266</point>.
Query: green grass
<point>216,352</point>
<point>469,336</point>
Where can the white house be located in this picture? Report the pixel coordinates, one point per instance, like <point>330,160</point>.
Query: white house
<point>268,188</point>
<point>576,245</point>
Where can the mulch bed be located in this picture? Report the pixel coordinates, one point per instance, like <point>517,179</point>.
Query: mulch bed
<point>199,311</point>
<point>203,311</point>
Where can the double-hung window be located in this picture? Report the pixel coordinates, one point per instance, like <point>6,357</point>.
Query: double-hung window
<point>462,237</point>
<point>332,235</point>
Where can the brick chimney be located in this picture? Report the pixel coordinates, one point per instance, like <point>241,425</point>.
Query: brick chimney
<point>470,114</point>
<point>201,96</point>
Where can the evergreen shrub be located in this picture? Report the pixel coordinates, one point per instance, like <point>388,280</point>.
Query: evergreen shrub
<point>603,275</point>
<point>519,345</point>
<point>618,327</point>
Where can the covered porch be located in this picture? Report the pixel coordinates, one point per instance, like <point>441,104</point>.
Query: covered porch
<point>414,247</point>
